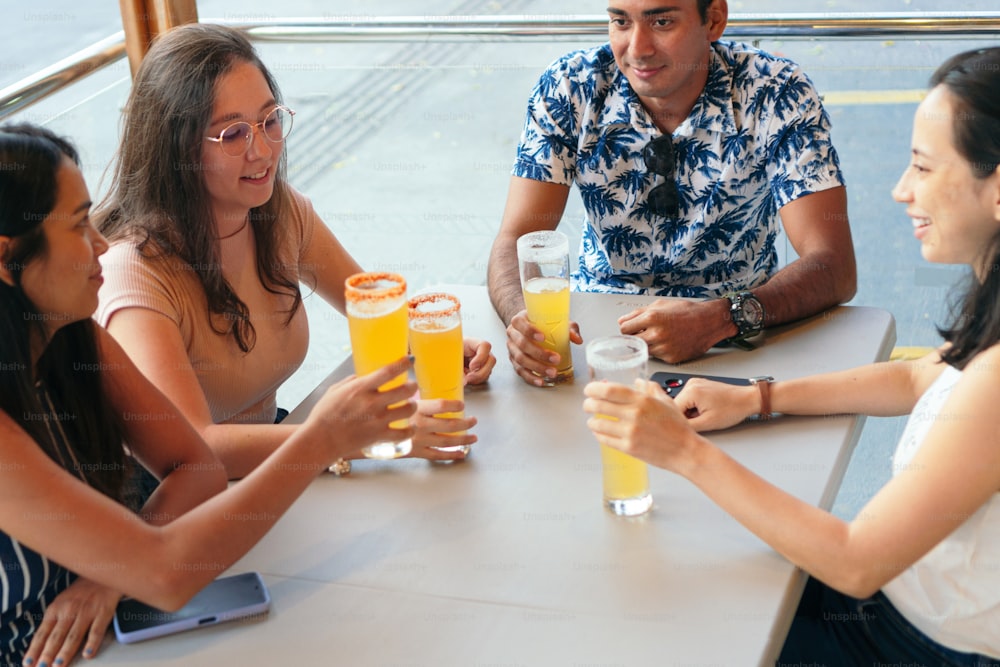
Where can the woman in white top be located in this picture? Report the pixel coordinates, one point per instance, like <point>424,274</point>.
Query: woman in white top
<point>915,579</point>
<point>210,245</point>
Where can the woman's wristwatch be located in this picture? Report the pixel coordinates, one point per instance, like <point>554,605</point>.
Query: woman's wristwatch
<point>763,383</point>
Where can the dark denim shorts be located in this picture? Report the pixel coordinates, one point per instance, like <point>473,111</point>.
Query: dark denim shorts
<point>833,630</point>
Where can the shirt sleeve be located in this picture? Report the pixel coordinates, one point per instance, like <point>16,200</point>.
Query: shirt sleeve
<point>134,281</point>
<point>302,220</point>
<point>548,146</point>
<point>803,158</point>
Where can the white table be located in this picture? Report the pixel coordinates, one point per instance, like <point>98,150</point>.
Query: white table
<point>510,559</point>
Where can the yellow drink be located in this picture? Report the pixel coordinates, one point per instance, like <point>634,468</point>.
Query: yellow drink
<point>436,345</point>
<point>378,341</point>
<point>377,321</point>
<point>547,301</point>
<point>621,360</point>
<point>625,477</point>
<point>438,361</point>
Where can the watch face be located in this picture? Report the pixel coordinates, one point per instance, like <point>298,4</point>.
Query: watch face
<point>752,312</point>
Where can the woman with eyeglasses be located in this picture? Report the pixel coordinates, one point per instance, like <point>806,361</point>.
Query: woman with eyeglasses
<point>210,245</point>
<point>75,413</point>
<point>915,577</point>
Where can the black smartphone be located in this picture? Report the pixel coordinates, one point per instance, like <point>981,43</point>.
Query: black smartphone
<point>672,382</point>
<point>225,599</point>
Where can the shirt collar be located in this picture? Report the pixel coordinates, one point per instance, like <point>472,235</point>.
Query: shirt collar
<point>712,112</point>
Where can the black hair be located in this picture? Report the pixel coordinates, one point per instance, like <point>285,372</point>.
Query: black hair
<point>64,391</point>
<point>972,79</point>
<point>703,6</point>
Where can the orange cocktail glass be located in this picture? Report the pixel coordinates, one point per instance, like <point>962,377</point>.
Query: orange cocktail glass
<point>436,345</point>
<point>377,318</point>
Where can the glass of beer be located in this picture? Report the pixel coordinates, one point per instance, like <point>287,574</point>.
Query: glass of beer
<point>436,345</point>
<point>621,359</point>
<point>376,317</point>
<point>543,259</point>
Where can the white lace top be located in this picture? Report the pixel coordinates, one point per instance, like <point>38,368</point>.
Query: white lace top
<point>952,594</point>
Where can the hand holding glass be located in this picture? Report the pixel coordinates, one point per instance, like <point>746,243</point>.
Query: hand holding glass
<point>376,317</point>
<point>621,359</point>
<point>436,345</point>
<point>543,260</point>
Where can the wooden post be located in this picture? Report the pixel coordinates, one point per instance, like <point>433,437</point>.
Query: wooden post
<point>145,19</point>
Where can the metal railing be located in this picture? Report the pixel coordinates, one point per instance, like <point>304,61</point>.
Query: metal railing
<point>864,25</point>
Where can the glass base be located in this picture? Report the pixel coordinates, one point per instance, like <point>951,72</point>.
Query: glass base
<point>560,378</point>
<point>387,450</point>
<point>464,449</point>
<point>630,506</point>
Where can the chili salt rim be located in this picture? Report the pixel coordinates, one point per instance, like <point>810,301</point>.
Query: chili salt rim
<point>414,304</point>
<point>353,292</point>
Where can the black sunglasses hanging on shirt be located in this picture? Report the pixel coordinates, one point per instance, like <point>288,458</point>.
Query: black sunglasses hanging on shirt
<point>660,159</point>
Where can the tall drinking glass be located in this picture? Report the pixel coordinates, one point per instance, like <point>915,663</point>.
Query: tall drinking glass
<point>436,345</point>
<point>621,359</point>
<point>543,259</point>
<point>376,317</point>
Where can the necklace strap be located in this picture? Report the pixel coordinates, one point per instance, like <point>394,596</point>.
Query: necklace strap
<point>230,235</point>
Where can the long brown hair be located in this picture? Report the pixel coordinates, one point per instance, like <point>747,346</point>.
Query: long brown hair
<point>158,194</point>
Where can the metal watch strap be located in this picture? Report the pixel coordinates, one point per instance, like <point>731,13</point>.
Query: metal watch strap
<point>744,328</point>
<point>763,383</point>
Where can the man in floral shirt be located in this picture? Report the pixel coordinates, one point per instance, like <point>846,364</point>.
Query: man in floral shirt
<point>687,151</point>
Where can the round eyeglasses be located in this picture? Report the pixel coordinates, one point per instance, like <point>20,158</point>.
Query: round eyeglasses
<point>235,139</point>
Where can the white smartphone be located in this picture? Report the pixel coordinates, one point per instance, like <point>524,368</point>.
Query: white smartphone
<point>225,599</point>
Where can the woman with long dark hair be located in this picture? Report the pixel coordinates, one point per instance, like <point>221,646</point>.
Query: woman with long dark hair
<point>75,535</point>
<point>210,244</point>
<point>915,578</point>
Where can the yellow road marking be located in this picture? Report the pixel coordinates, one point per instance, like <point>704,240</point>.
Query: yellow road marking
<point>860,97</point>
<point>908,353</point>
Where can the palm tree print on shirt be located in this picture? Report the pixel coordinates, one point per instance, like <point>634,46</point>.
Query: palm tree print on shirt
<point>757,139</point>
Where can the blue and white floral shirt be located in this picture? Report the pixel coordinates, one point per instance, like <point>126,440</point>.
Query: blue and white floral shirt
<point>757,139</point>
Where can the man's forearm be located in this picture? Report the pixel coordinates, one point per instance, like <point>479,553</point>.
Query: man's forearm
<point>531,206</point>
<point>805,287</point>
<point>504,281</point>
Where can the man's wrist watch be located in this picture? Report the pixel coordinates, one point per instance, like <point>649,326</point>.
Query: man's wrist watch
<point>747,313</point>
